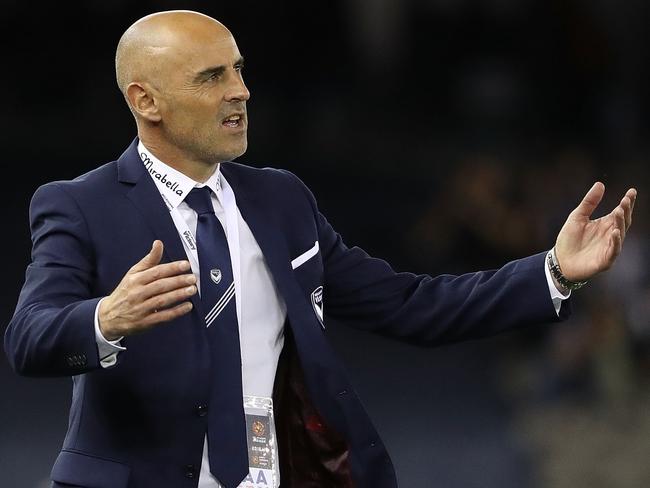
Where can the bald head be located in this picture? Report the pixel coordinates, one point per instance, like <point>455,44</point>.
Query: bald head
<point>153,44</point>
<point>181,75</point>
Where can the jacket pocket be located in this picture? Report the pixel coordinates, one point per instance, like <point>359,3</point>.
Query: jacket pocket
<point>305,256</point>
<point>76,468</point>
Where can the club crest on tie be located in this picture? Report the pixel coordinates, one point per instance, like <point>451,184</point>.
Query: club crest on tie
<point>317,303</point>
<point>215,275</point>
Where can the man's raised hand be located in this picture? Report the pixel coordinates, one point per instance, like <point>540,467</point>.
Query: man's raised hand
<point>150,293</point>
<point>585,247</point>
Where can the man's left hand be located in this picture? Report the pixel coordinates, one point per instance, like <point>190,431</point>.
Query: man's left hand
<point>585,247</point>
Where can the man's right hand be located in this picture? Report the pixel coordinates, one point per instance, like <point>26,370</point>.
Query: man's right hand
<point>148,294</point>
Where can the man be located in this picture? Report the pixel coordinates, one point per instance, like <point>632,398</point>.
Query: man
<point>234,384</point>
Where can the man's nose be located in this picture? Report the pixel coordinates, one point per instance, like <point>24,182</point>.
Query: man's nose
<point>237,91</point>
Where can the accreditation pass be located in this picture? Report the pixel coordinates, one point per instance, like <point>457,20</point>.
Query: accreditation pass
<point>262,446</point>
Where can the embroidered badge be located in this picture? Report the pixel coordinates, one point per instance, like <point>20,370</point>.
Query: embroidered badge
<point>317,303</point>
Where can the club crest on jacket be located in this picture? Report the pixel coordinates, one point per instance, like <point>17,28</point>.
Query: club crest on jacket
<point>317,303</point>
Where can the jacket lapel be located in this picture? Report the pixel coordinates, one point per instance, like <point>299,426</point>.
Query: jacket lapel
<point>146,198</point>
<point>265,226</point>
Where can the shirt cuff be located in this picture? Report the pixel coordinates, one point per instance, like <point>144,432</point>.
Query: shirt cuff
<point>556,295</point>
<point>108,350</point>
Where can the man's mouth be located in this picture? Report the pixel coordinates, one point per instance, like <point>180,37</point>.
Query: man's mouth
<point>233,121</point>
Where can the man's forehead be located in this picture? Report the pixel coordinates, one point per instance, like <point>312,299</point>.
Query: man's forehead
<point>221,51</point>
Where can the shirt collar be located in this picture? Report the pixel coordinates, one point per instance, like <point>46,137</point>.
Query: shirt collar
<point>171,183</point>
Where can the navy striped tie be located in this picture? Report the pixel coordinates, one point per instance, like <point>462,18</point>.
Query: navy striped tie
<point>227,447</point>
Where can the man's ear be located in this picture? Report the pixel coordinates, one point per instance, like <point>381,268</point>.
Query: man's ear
<point>142,101</point>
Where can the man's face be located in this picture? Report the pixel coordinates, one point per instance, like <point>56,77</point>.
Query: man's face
<point>203,101</point>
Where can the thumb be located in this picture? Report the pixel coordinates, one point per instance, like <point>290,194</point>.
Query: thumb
<point>151,259</point>
<point>590,201</point>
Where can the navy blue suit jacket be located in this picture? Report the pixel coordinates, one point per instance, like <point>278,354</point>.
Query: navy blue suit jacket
<point>135,424</point>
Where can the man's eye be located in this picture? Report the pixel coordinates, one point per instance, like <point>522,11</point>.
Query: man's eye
<point>239,68</point>
<point>214,76</point>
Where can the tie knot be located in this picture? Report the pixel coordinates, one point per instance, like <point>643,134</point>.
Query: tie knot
<point>199,200</point>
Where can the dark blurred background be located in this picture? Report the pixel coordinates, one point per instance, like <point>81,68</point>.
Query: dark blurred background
<point>441,135</point>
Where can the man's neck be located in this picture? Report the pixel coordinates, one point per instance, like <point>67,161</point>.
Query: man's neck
<point>172,156</point>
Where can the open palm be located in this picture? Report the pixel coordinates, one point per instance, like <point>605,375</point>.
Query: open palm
<point>585,247</point>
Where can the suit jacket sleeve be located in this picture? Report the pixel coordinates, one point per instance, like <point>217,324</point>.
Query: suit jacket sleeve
<point>52,330</point>
<point>366,293</point>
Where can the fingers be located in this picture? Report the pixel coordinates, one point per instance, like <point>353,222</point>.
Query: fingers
<point>148,269</point>
<point>162,301</point>
<point>158,316</point>
<point>632,194</point>
<point>622,214</point>
<point>619,220</point>
<point>161,271</point>
<point>151,259</point>
<point>164,285</point>
<point>615,246</point>
<point>591,200</point>
<point>627,203</point>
